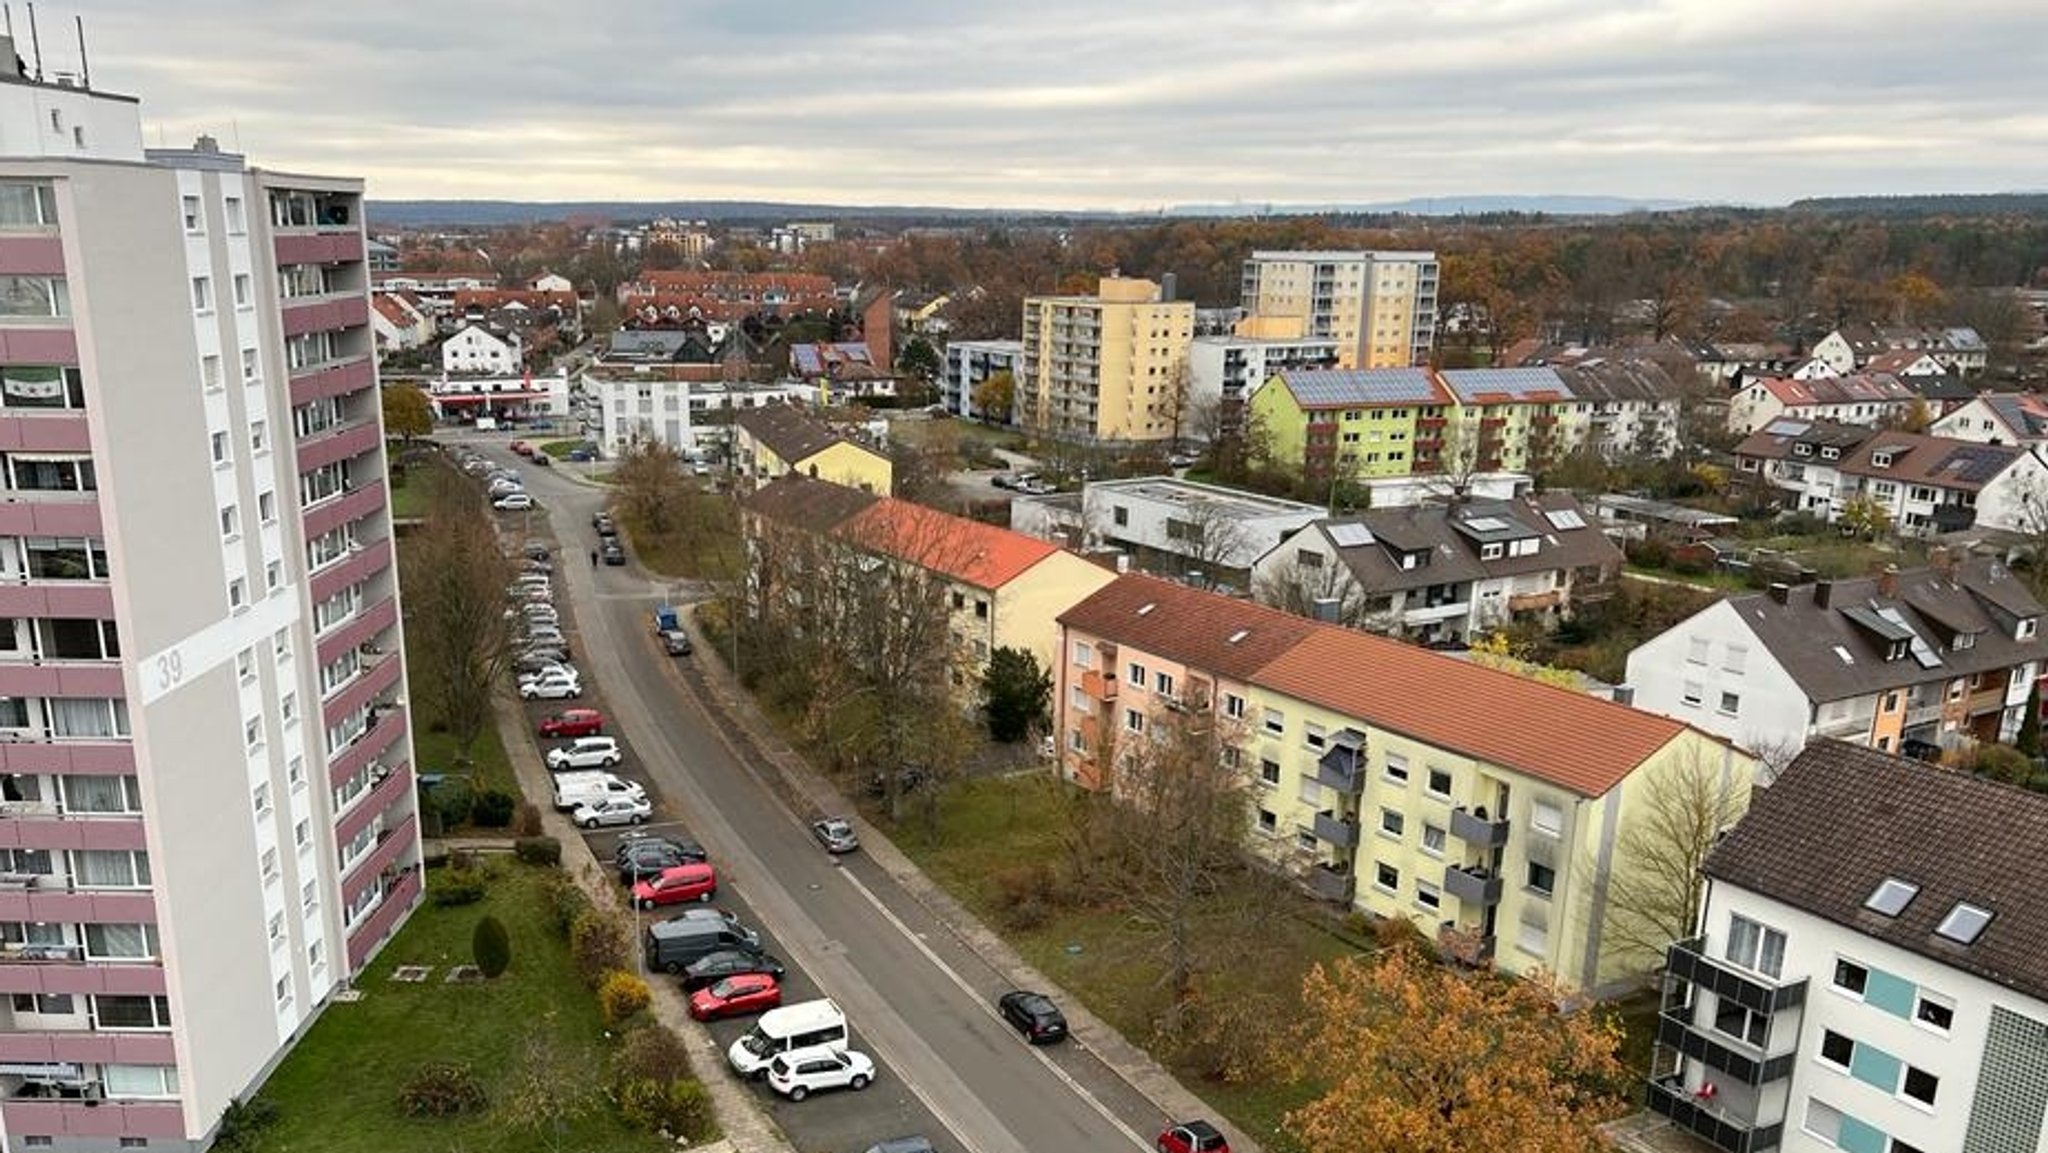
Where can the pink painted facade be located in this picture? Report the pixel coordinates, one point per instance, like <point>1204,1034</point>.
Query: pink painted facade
<point>343,443</point>
<point>103,1120</point>
<point>57,599</point>
<point>128,979</point>
<point>380,798</point>
<point>54,432</point>
<point>318,313</point>
<point>60,516</point>
<point>324,246</point>
<point>32,255</point>
<point>38,346</point>
<point>81,758</point>
<point>367,687</point>
<point>104,905</point>
<point>367,625</point>
<point>61,679</point>
<point>72,832</point>
<point>334,380</point>
<point>399,898</point>
<point>365,500</point>
<point>98,1047</point>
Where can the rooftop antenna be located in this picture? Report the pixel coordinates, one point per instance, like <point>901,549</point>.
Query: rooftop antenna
<point>35,42</point>
<point>84,67</point>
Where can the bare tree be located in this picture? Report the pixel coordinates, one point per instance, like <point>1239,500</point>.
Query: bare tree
<point>455,579</point>
<point>1177,403</point>
<point>1208,537</point>
<point>1653,883</point>
<point>1457,458</point>
<point>1326,591</point>
<point>547,1091</point>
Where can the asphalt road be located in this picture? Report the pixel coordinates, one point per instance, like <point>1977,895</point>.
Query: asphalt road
<point>917,998</point>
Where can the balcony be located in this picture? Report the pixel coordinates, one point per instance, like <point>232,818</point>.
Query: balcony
<point>323,313</point>
<point>83,1046</point>
<point>86,758</point>
<point>381,735</point>
<point>1342,766</point>
<point>337,377</point>
<point>401,894</point>
<point>1099,685</point>
<point>1430,614</point>
<point>50,341</point>
<point>1742,1061</point>
<point>47,969</point>
<point>1534,602</point>
<point>1471,885</point>
<point>1336,830</point>
<point>396,785</point>
<point>58,832</point>
<point>1688,961</point>
<point>393,845</point>
<point>59,903</point>
<point>343,442</point>
<point>91,600</point>
<point>363,628</point>
<point>44,432</point>
<point>1327,882</point>
<point>367,561</point>
<point>61,679</point>
<point>365,688</point>
<point>336,244</point>
<point>1472,827</point>
<point>105,1121</point>
<point>349,506</point>
<point>51,514</point>
<point>1669,1099</point>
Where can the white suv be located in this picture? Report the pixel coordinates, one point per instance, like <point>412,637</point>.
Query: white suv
<point>552,685</point>
<point>585,753</point>
<point>797,1074</point>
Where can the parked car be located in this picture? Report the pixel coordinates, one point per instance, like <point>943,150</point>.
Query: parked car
<point>1034,1015</point>
<point>836,834</point>
<point>534,654</point>
<point>551,686</point>
<point>502,483</point>
<point>520,448</point>
<point>693,882</point>
<point>534,550</point>
<point>1192,1137</point>
<point>540,613</point>
<point>580,455</point>
<point>612,553</point>
<point>676,642</point>
<point>558,668</point>
<point>541,460</point>
<point>586,753</point>
<point>735,996</point>
<point>540,567</point>
<point>799,1074</point>
<point>588,786</point>
<point>600,520</point>
<point>545,635</point>
<point>572,723</point>
<point>643,855</point>
<point>513,502</point>
<point>611,811</point>
<point>712,968</point>
<point>902,1145</point>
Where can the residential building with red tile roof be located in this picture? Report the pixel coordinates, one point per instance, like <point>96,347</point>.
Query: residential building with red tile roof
<point>398,323</point>
<point>1866,398</point>
<point>1484,807</point>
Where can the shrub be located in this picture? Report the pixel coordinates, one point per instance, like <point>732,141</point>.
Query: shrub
<point>678,1106</point>
<point>441,1089</point>
<point>597,939</point>
<point>452,801</point>
<point>538,850</point>
<point>622,996</point>
<point>651,1052</point>
<point>490,946</point>
<point>1025,894</point>
<point>493,808</point>
<point>457,887</point>
<point>242,1124</point>
<point>526,820</point>
<point>566,901</point>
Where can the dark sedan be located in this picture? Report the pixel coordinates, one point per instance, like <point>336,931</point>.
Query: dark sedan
<point>643,857</point>
<point>1034,1015</point>
<point>712,968</point>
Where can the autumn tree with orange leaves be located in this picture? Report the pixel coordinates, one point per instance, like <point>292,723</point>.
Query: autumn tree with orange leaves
<point>1418,1057</point>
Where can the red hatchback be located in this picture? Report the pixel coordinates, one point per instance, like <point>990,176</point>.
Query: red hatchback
<point>573,723</point>
<point>694,882</point>
<point>1192,1137</point>
<point>736,995</point>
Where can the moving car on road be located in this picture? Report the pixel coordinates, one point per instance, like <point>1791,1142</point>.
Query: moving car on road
<point>797,1075</point>
<point>1034,1015</point>
<point>836,834</point>
<point>611,811</point>
<point>1192,1137</point>
<point>736,996</point>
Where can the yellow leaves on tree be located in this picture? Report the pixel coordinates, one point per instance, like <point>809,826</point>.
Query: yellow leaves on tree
<point>1496,651</point>
<point>1421,1058</point>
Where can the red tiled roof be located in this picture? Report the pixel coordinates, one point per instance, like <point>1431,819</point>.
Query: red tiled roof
<point>978,554</point>
<point>394,310</point>
<point>1188,625</point>
<point>488,298</point>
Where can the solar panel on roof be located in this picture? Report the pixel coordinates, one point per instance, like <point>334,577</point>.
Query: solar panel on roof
<point>1564,518</point>
<point>1514,382</point>
<point>1360,386</point>
<point>1486,524</point>
<point>1350,535</point>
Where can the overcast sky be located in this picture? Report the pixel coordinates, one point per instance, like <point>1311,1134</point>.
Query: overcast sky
<point>1093,103</point>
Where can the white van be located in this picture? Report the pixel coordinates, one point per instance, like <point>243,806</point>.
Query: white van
<point>573,789</point>
<point>783,1030</point>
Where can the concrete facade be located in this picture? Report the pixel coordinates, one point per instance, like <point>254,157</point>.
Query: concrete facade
<point>1106,367</point>
<point>968,364</point>
<point>1380,307</point>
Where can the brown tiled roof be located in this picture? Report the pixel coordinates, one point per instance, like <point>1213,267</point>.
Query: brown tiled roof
<point>1842,818</point>
<point>1455,556</point>
<point>788,432</point>
<point>1774,440</point>
<point>811,505</point>
<point>1932,460</point>
<point>1188,625</point>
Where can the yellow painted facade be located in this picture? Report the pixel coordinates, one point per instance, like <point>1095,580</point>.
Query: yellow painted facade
<point>1107,366</point>
<point>842,463</point>
<point>1380,307</point>
<point>1027,609</point>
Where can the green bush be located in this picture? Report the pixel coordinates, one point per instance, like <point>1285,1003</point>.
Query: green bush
<point>491,946</point>
<point>678,1106</point>
<point>650,1052</point>
<point>621,996</point>
<point>452,801</point>
<point>567,903</point>
<point>454,887</point>
<point>493,808</point>
<point>441,1089</point>
<point>526,820</point>
<point>538,850</point>
<point>597,940</point>
<point>242,1124</point>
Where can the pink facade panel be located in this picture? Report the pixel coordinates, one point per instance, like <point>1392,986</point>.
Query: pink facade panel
<point>158,1119</point>
<point>382,735</point>
<point>394,788</point>
<point>39,346</point>
<point>31,256</point>
<point>54,432</point>
<point>61,679</point>
<point>85,758</point>
<point>50,517</point>
<point>351,441</point>
<point>91,1048</point>
<point>364,689</point>
<point>82,599</point>
<point>57,905</point>
<point>81,977</point>
<point>320,315</point>
<point>51,832</point>
<point>398,901</point>
<point>331,514</point>
<point>339,380</point>
<point>398,843</point>
<point>344,246</point>
<point>375,558</point>
<point>363,629</point>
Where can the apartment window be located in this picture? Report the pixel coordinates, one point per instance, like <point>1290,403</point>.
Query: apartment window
<point>1542,878</point>
<point>51,1004</point>
<point>259,435</point>
<point>126,1012</point>
<point>252,733</point>
<point>281,645</point>
<point>270,873</point>
<point>1313,735</point>
<point>1269,771</point>
<point>1731,703</point>
<point>1162,683</point>
<point>1397,768</point>
<point>262,801</point>
<point>1850,976</point>
<point>202,294</point>
<point>34,296</point>
<point>245,666</point>
<point>1276,722</point>
<point>284,992</point>
<point>1919,1085</point>
<point>238,594</point>
<point>1439,783</point>
<point>959,600</point>
<point>266,507</point>
<point>245,293</point>
<point>1269,822</point>
<point>1120,515</point>
<point>295,773</point>
<point>35,472</point>
<point>1697,649</point>
<point>288,707</point>
<point>1392,822</point>
<point>1933,1012</point>
<point>251,370</point>
<point>1731,1019</point>
<point>1433,840</point>
<point>1755,946</point>
<point>230,523</point>
<point>309,897</point>
<point>1137,674</point>
<point>1134,721</point>
<point>41,386</point>
<point>1836,1050</point>
<point>238,219</point>
<point>1386,876</point>
<point>1233,706</point>
<point>1546,818</point>
<point>209,372</point>
<point>219,443</point>
<point>117,942</point>
<point>277,930</point>
<point>273,576</point>
<point>25,205</point>
<point>1692,693</point>
<point>100,794</point>
<point>1084,654</point>
<point>1428,896</point>
<point>110,868</point>
<point>316,955</point>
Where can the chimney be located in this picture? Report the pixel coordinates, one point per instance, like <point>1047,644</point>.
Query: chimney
<point>1624,695</point>
<point>1780,592</point>
<point>1823,592</point>
<point>1169,284</point>
<point>205,143</point>
<point>1888,581</point>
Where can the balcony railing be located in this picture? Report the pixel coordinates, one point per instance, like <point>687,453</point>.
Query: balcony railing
<point>1336,830</point>
<point>1667,1098</point>
<point>1342,765</point>
<point>1329,883</point>
<point>1473,886</point>
<point>1688,961</point>
<point>1473,827</point>
<point>1742,1061</point>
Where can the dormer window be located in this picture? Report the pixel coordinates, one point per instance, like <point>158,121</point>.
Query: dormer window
<point>1963,641</point>
<point>2026,628</point>
<point>1490,551</point>
<point>1896,650</point>
<point>1830,453</point>
<point>1880,460</point>
<point>1802,450</point>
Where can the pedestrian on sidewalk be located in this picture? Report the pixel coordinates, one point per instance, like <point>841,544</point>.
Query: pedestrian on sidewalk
<point>593,558</point>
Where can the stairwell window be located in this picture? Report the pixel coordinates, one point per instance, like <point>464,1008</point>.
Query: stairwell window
<point>202,294</point>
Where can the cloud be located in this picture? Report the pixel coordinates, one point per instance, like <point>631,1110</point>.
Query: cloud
<point>1066,103</point>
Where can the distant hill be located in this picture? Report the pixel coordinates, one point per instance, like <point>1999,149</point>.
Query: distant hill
<point>430,213</point>
<point>1934,204</point>
<point>1447,206</point>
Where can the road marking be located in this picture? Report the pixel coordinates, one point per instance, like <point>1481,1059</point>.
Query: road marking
<point>939,963</point>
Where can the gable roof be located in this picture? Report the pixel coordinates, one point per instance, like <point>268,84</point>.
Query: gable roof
<point>846,358</point>
<point>969,551</point>
<point>1775,439</point>
<point>1505,385</point>
<point>1861,388</point>
<point>2024,414</point>
<point>1931,460</point>
<point>1619,379</point>
<point>789,433</point>
<point>1452,537</point>
<point>812,505</point>
<point>1842,818</point>
<point>1578,742</point>
<point>1318,388</point>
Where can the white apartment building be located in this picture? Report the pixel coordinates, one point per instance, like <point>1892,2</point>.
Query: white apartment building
<point>1178,528</point>
<point>1223,370</point>
<point>694,417</point>
<point>1867,974</point>
<point>501,397</point>
<point>968,364</point>
<point>205,787</point>
<point>1379,306</point>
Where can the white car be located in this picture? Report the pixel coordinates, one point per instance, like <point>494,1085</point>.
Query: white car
<point>552,669</point>
<point>540,613</point>
<point>611,811</point>
<point>797,1074</point>
<point>514,502</point>
<point>586,753</point>
<point>552,686</point>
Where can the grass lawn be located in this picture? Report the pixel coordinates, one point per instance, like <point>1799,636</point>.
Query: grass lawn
<point>338,1090</point>
<point>706,544</point>
<point>408,495</point>
<point>987,825</point>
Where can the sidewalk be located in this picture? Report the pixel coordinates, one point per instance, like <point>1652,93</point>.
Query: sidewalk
<point>747,1127</point>
<point>805,787</point>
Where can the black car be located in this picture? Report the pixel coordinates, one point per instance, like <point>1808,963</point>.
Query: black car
<point>712,968</point>
<point>535,550</point>
<point>1034,1015</point>
<point>643,857</point>
<point>612,553</point>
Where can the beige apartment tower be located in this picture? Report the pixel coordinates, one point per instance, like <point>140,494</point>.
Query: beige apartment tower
<point>1380,307</point>
<point>1107,367</point>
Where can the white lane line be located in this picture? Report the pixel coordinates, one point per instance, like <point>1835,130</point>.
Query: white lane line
<point>931,955</point>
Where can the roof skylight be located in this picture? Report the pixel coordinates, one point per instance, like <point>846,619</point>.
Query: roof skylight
<point>1891,897</point>
<point>1964,923</point>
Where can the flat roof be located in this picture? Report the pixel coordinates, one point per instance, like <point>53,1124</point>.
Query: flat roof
<point>1230,502</point>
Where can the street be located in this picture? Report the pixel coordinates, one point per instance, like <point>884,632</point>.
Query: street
<point>917,998</point>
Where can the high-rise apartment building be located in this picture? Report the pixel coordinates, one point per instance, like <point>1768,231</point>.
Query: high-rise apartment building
<point>209,817</point>
<point>1380,307</point>
<point>1112,366</point>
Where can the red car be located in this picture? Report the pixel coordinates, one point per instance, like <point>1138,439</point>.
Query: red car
<point>735,996</point>
<point>1192,1137</point>
<point>573,723</point>
<point>694,882</point>
<point>520,448</point>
